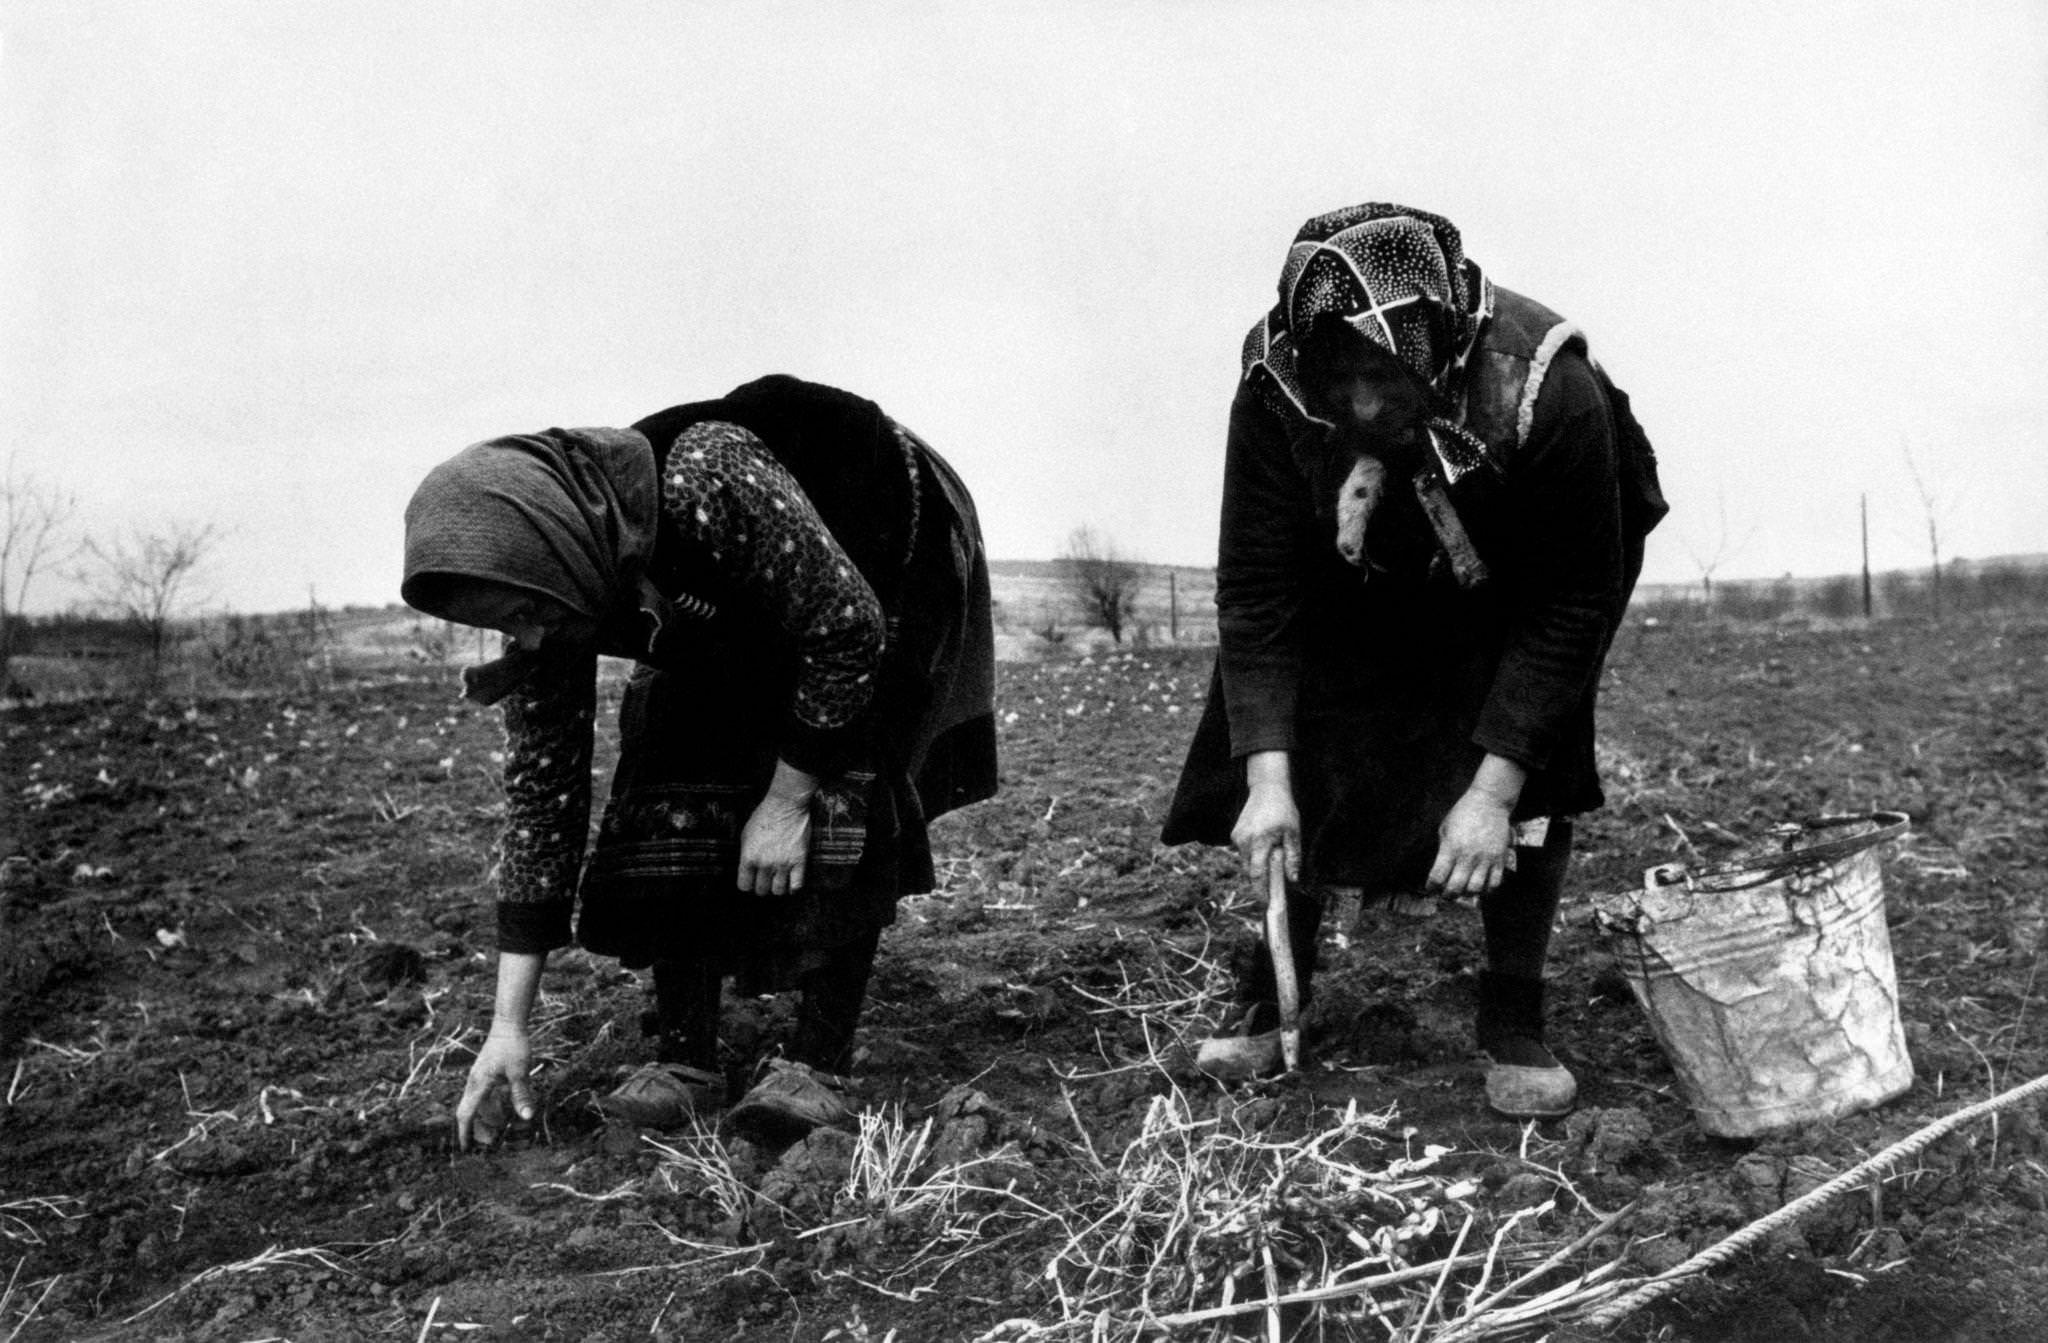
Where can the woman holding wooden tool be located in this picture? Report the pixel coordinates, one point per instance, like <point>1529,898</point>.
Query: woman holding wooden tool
<point>1433,512</point>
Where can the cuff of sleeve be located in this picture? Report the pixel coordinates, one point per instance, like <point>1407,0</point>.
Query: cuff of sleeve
<point>533,927</point>
<point>1512,746</point>
<point>1264,737</point>
<point>823,752</point>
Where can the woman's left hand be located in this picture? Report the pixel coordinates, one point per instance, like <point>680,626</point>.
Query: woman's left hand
<point>777,840</point>
<point>1474,850</point>
<point>1475,846</point>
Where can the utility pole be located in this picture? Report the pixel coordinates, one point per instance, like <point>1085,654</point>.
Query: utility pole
<point>1864,505</point>
<point>1172,606</point>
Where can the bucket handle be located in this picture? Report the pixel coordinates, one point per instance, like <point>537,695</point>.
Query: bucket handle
<point>1886,826</point>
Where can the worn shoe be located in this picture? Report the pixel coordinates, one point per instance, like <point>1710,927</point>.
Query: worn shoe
<point>789,1101</point>
<point>1244,1051</point>
<point>665,1095</point>
<point>1524,1080</point>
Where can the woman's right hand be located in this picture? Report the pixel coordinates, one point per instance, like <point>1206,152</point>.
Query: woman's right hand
<point>1270,821</point>
<point>502,1060</point>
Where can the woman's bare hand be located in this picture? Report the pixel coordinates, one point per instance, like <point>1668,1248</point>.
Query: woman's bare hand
<point>503,1061</point>
<point>776,843</point>
<point>1270,821</point>
<point>774,847</point>
<point>1475,846</point>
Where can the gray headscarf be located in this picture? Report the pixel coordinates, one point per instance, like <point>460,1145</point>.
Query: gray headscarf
<point>567,513</point>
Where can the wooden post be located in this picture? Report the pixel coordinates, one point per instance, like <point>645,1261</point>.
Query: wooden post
<point>1172,606</point>
<point>1864,505</point>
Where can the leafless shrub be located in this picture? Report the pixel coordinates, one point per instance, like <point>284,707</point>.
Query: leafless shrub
<point>1709,553</point>
<point>1932,508</point>
<point>1101,582</point>
<point>33,519</point>
<point>143,578</point>
<point>282,649</point>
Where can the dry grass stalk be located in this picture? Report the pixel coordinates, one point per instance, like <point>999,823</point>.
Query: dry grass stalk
<point>1172,982</point>
<point>75,1056</point>
<point>953,1212</point>
<point>958,1213</point>
<point>1478,1310</point>
<point>1200,1212</point>
<point>701,1165</point>
<point>9,1304</point>
<point>1174,992</point>
<point>626,1192</point>
<point>883,1173</point>
<point>312,1256</point>
<point>1314,1296</point>
<point>15,1214</point>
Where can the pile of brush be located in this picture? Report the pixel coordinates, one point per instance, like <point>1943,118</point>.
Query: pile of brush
<point>1206,1224</point>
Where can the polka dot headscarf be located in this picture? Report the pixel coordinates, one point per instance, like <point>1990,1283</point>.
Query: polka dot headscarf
<point>1399,276</point>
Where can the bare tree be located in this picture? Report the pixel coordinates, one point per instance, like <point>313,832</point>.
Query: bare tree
<point>1709,558</point>
<point>1101,581</point>
<point>1931,507</point>
<point>33,520</point>
<point>143,577</point>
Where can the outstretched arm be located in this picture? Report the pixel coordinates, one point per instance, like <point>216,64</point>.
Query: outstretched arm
<point>506,1055</point>
<point>548,735</point>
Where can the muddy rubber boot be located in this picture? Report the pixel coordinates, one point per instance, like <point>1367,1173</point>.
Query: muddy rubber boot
<point>1524,1080</point>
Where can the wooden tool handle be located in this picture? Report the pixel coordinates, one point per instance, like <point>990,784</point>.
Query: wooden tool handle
<point>1280,941</point>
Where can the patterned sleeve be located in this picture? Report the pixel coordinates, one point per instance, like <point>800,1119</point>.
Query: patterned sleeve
<point>548,733</point>
<point>723,488</point>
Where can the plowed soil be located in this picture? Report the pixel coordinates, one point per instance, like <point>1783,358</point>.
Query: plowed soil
<point>247,947</point>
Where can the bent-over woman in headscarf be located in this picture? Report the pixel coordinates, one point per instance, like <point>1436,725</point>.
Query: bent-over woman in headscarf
<point>802,585</point>
<point>1434,505</point>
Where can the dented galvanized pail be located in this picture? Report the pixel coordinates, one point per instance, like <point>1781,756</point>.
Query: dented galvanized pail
<point>1769,982</point>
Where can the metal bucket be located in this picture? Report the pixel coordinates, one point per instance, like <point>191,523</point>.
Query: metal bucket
<point>1769,981</point>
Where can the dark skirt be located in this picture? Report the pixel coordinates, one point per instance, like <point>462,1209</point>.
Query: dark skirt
<point>662,883</point>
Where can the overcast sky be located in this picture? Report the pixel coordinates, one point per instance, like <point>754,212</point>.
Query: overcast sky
<point>263,263</point>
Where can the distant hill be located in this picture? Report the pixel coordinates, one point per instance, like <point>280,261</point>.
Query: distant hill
<point>1035,614</point>
<point>1961,571</point>
<point>1031,596</point>
<point>1174,603</point>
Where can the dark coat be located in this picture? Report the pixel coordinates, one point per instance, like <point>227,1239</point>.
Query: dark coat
<point>708,712</point>
<point>843,451</point>
<point>1389,691</point>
